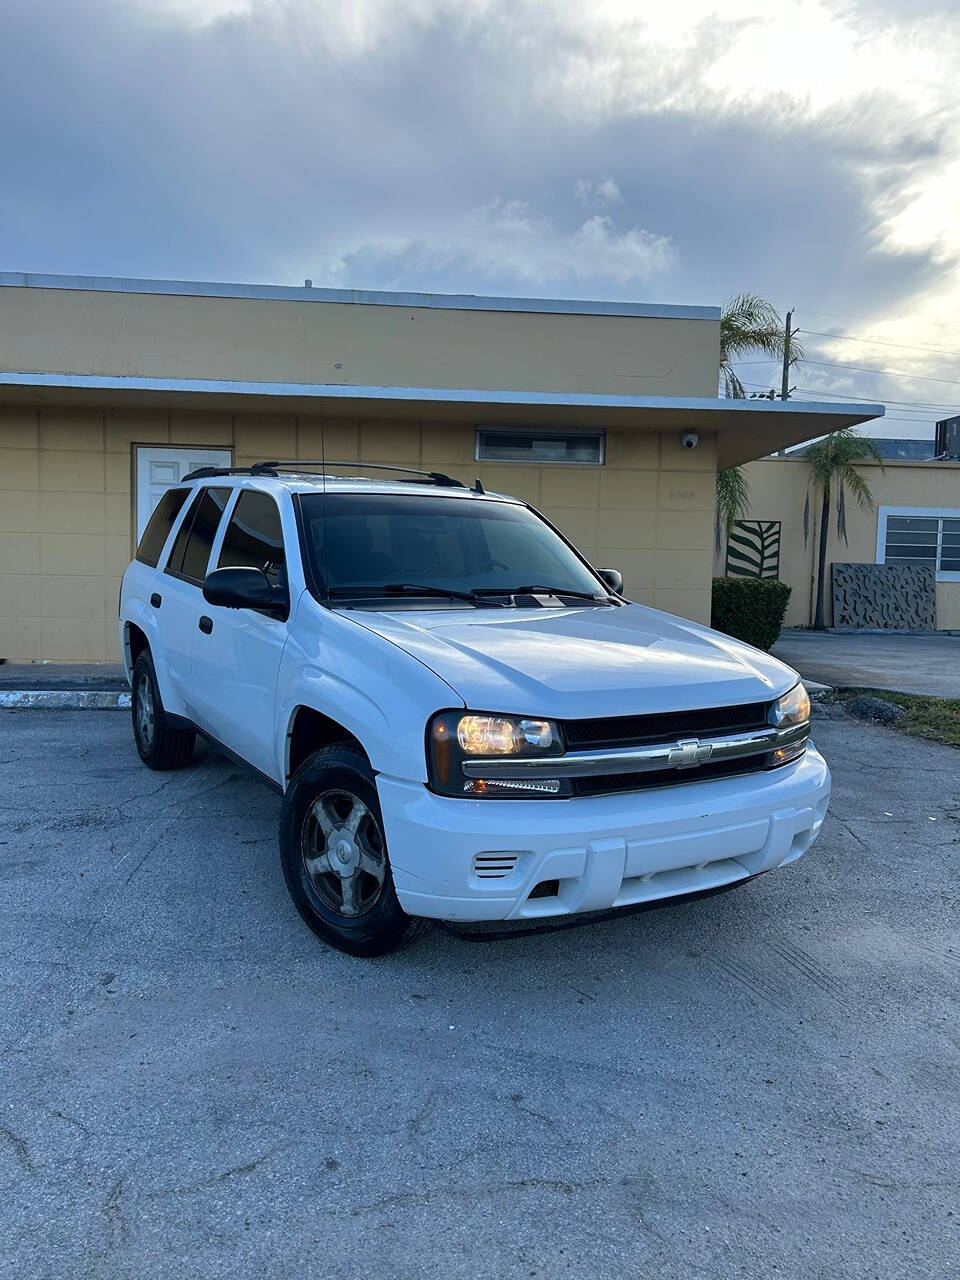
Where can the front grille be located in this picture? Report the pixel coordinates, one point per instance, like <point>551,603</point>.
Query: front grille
<point>606,783</point>
<point>632,731</point>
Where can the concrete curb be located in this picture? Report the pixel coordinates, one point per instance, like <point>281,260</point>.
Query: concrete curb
<point>64,699</point>
<point>816,690</point>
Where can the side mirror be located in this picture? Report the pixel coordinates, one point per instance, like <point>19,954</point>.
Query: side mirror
<point>241,588</point>
<point>613,578</point>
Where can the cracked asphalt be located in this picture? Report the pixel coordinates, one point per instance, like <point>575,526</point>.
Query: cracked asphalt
<point>760,1084</point>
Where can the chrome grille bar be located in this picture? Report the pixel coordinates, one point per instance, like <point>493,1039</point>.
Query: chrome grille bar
<point>683,754</point>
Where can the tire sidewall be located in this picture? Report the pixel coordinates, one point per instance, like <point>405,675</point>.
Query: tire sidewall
<point>383,927</point>
<point>144,664</point>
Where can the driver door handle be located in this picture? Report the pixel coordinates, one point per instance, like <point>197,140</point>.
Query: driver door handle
<point>205,624</point>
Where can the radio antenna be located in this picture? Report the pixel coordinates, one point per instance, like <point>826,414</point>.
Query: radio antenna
<point>323,499</point>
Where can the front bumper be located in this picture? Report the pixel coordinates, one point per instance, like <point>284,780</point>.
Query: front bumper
<point>458,859</point>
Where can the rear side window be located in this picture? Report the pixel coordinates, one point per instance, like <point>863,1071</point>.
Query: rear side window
<point>159,525</point>
<point>191,551</point>
<point>254,537</point>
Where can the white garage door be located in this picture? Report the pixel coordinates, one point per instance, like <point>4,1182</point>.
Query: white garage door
<point>158,468</point>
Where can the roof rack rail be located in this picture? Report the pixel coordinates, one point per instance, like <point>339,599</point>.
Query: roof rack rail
<point>204,473</point>
<point>294,465</point>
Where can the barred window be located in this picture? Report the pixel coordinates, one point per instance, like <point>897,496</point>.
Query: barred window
<point>919,537</point>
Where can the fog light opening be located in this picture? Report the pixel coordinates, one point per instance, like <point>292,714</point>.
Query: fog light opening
<point>545,889</point>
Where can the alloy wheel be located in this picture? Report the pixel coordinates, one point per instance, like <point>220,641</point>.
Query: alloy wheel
<point>343,853</point>
<point>146,712</point>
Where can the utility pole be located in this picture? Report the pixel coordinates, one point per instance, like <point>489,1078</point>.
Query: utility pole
<point>787,335</point>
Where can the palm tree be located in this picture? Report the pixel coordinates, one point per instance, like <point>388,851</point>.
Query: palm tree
<point>747,323</point>
<point>832,466</point>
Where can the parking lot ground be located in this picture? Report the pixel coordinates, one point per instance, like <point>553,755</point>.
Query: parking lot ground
<point>926,664</point>
<point>759,1084</point>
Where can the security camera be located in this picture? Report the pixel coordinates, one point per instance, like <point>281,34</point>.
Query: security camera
<point>690,440</point>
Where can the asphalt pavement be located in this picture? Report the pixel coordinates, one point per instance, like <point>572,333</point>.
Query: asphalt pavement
<point>759,1084</point>
<point>926,664</point>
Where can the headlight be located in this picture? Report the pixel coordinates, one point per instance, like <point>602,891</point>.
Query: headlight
<point>792,711</point>
<point>455,736</point>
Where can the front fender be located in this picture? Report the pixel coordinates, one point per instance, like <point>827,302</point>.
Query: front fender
<point>377,691</point>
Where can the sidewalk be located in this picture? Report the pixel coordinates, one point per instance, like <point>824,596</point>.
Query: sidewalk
<point>63,685</point>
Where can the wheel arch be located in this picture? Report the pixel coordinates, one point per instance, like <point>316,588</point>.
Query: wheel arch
<point>309,730</point>
<point>135,640</point>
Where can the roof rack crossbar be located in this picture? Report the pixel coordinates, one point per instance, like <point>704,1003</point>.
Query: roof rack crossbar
<point>294,464</point>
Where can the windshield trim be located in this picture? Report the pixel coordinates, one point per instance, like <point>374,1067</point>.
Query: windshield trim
<point>318,589</point>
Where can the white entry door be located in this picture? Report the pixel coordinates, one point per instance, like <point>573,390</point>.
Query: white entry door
<point>159,467</point>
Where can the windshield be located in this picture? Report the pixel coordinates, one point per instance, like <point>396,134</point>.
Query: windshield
<point>370,543</point>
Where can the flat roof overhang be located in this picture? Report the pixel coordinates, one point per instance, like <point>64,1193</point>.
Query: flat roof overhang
<point>746,429</point>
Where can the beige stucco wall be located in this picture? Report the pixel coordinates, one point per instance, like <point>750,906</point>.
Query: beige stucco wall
<point>66,506</point>
<point>170,336</point>
<point>778,488</point>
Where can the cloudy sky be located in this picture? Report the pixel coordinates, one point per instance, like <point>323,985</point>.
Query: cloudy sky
<point>683,151</point>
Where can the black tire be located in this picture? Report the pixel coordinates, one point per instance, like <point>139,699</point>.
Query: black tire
<point>346,893</point>
<point>159,744</point>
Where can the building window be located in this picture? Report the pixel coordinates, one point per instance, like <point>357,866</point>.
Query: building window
<point>583,448</point>
<point>921,536</point>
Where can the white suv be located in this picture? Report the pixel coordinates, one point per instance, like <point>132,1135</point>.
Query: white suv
<point>466,721</point>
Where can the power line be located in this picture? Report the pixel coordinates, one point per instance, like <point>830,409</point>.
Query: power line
<point>935,410</point>
<point>884,373</point>
<point>903,404</point>
<point>878,342</point>
<point>844,315</point>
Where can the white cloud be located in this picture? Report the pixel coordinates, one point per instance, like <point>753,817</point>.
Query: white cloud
<point>589,193</point>
<point>193,13</point>
<point>507,240</point>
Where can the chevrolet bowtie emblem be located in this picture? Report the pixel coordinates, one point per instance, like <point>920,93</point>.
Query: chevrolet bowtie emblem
<point>689,752</point>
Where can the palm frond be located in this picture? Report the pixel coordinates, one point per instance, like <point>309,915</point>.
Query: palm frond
<point>733,503</point>
<point>733,388</point>
<point>858,486</point>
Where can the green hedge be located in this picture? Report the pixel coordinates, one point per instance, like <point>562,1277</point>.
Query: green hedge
<point>750,609</point>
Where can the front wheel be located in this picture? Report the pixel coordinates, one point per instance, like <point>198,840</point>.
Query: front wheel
<point>334,855</point>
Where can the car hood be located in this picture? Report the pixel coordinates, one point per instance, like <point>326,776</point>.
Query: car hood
<point>573,662</point>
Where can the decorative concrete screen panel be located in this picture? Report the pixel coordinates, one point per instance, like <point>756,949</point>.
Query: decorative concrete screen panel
<point>754,549</point>
<point>891,597</point>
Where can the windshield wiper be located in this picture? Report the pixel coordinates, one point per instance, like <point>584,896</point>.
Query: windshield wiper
<point>538,589</point>
<point>413,589</point>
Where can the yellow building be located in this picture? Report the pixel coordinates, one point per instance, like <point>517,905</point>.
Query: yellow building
<point>110,390</point>
<point>925,492</point>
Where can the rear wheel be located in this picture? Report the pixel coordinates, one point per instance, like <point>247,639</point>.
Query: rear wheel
<point>160,745</point>
<point>334,855</point>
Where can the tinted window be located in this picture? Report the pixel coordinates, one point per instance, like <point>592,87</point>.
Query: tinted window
<point>191,551</point>
<point>254,538</point>
<point>540,446</point>
<point>160,524</point>
<point>370,540</point>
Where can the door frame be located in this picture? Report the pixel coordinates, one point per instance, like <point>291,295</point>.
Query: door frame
<point>159,444</point>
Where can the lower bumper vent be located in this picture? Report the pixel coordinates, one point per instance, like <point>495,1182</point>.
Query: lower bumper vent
<point>494,866</point>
